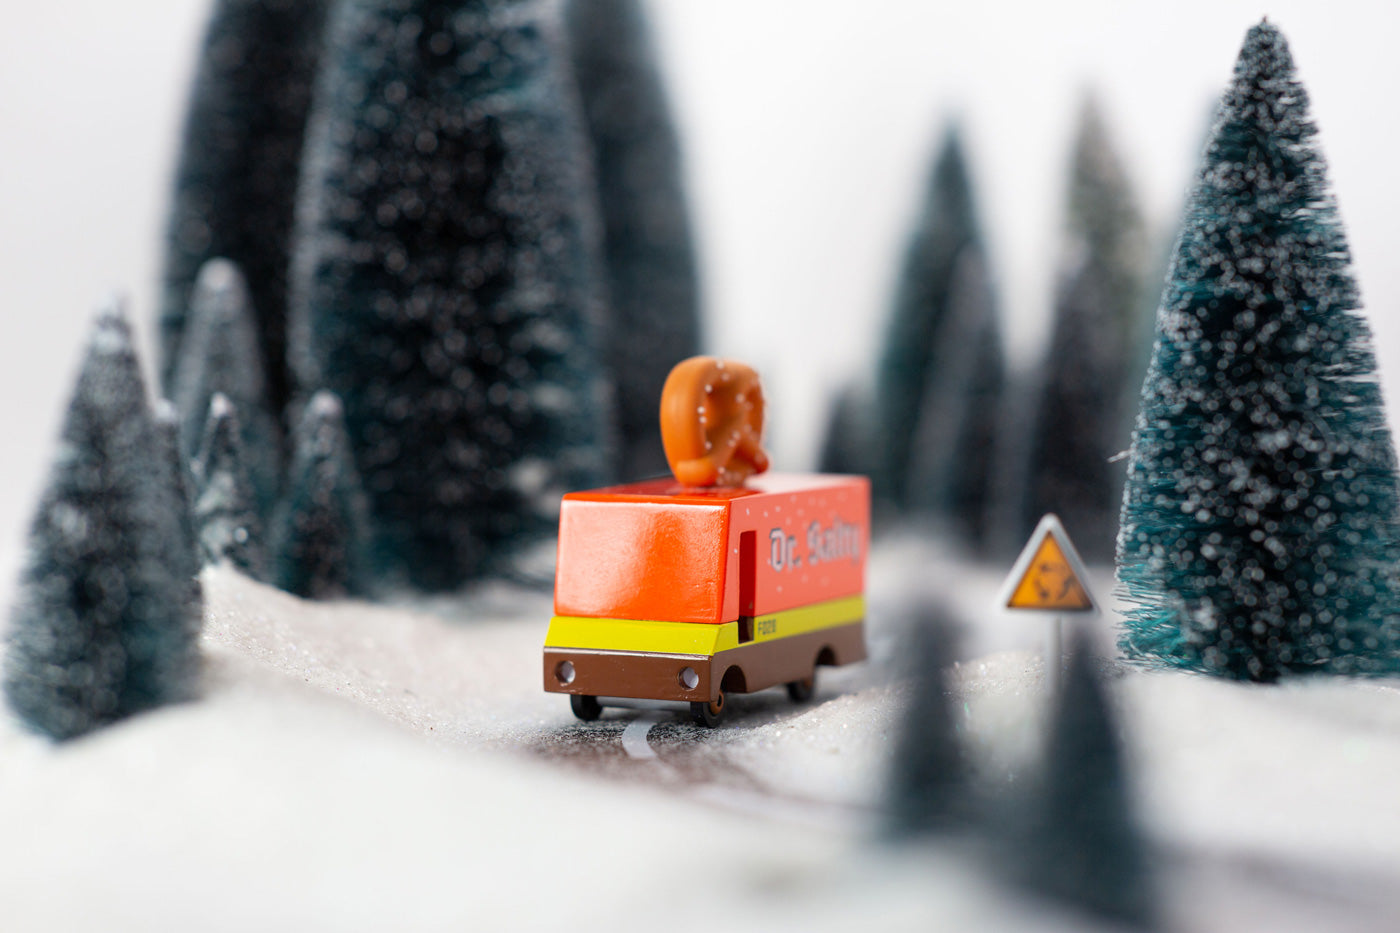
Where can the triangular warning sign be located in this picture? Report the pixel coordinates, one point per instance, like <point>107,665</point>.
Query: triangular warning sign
<point>1048,576</point>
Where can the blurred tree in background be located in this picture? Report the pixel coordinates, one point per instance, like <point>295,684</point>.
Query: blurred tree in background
<point>1079,422</point>
<point>235,185</point>
<point>939,377</point>
<point>652,281</point>
<point>1259,519</point>
<point>445,280</point>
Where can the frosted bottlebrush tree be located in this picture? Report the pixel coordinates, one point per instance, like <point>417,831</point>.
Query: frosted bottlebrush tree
<point>107,618</point>
<point>444,281</point>
<point>1258,532</point>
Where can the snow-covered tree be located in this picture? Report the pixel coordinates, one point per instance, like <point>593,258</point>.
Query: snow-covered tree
<point>651,277</point>
<point>219,353</point>
<point>225,509</point>
<point>235,184</point>
<point>1080,843</point>
<point>1093,349</point>
<point>321,538</point>
<point>942,314</point>
<point>928,789</point>
<point>102,626</point>
<point>445,278</point>
<point>1259,520</point>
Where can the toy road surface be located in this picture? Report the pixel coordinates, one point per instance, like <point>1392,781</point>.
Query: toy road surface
<point>670,593</point>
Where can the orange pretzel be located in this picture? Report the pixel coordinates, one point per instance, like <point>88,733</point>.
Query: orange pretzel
<point>712,422</point>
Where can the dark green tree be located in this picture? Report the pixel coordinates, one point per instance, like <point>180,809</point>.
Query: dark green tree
<point>916,345</point>
<point>225,509</point>
<point>445,279</point>
<point>184,557</point>
<point>953,452</point>
<point>321,539</point>
<point>219,353</point>
<point>102,626</point>
<point>928,790</point>
<point>1259,519</point>
<point>1093,351</point>
<point>235,184</point>
<point>1080,843</point>
<point>651,277</point>
<point>847,441</point>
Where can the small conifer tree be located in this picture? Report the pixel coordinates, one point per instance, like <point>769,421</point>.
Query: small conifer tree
<point>928,787</point>
<point>184,556</point>
<point>1259,531</point>
<point>225,510</point>
<point>219,353</point>
<point>651,277</point>
<point>235,184</point>
<point>1094,343</point>
<point>450,295</point>
<point>321,537</point>
<point>1080,844</point>
<point>102,624</point>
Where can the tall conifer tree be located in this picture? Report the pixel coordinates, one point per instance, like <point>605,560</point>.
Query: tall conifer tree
<point>445,278</point>
<point>235,185</point>
<point>917,344</point>
<point>230,528</point>
<point>651,277</point>
<point>1259,520</point>
<point>103,624</point>
<point>1093,349</point>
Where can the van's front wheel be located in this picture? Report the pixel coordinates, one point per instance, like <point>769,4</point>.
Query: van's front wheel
<point>800,691</point>
<point>586,708</point>
<point>709,714</point>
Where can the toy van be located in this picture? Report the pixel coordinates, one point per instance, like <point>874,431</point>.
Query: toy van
<point>678,593</point>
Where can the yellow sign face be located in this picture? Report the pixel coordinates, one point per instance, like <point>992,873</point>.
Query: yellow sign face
<point>1049,582</point>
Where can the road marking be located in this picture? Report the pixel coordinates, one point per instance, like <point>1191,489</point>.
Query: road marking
<point>634,737</point>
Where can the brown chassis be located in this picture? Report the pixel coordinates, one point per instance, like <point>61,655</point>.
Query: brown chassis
<point>745,669</point>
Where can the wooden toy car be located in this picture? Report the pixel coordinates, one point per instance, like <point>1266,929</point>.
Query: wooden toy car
<point>668,592</point>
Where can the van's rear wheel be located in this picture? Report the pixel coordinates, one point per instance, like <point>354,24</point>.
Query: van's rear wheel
<point>709,714</point>
<point>586,708</point>
<point>800,691</point>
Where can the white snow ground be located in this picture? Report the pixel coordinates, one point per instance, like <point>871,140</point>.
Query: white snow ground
<point>356,767</point>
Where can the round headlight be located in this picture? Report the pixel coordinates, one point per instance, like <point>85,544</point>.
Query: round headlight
<point>689,679</point>
<point>564,672</point>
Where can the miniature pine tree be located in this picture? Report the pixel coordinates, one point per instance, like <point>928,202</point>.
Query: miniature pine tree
<point>101,627</point>
<point>235,184</point>
<point>321,537</point>
<point>1258,534</point>
<point>950,474</point>
<point>846,443</point>
<point>928,788</point>
<point>651,275</point>
<point>184,557</point>
<point>1080,844</point>
<point>1093,345</point>
<point>915,345</point>
<point>225,508</point>
<point>449,297</point>
<point>219,353</point>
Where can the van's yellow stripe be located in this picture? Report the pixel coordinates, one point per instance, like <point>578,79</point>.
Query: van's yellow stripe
<point>697,638</point>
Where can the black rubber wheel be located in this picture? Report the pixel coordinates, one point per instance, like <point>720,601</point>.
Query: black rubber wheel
<point>800,691</point>
<point>585,707</point>
<point>709,714</point>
